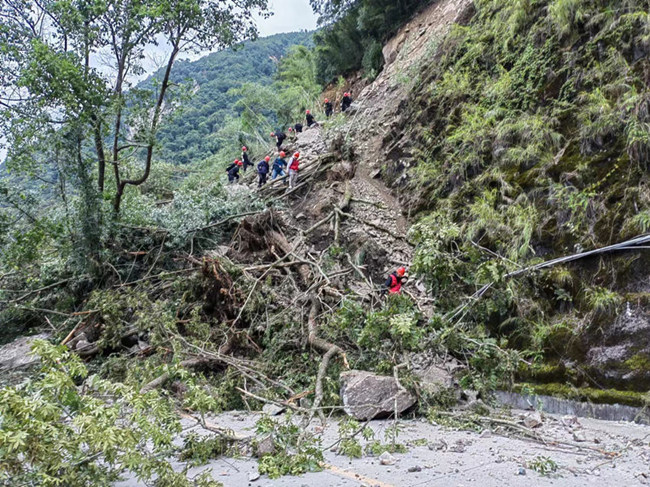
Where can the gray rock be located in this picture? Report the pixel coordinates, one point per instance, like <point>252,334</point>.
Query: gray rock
<point>386,459</point>
<point>533,420</point>
<point>438,445</point>
<point>415,468</point>
<point>579,436</point>
<point>265,447</point>
<point>435,378</point>
<point>570,420</point>
<point>367,396</point>
<point>273,409</point>
<point>17,354</point>
<point>522,471</point>
<point>253,476</point>
<point>486,434</point>
<point>83,345</point>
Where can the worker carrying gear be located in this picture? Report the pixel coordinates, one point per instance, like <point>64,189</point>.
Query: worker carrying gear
<point>393,284</point>
<point>310,119</point>
<point>346,102</point>
<point>278,166</point>
<point>244,157</point>
<point>280,136</point>
<point>233,171</point>
<point>293,170</point>
<point>329,109</point>
<point>298,128</point>
<point>263,170</point>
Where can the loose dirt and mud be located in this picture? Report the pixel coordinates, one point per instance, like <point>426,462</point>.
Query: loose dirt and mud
<point>569,452</point>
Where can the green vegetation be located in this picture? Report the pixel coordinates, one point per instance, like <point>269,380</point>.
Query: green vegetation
<point>354,33</point>
<point>529,133</point>
<point>54,433</point>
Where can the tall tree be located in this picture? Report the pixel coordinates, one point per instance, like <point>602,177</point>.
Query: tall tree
<point>50,47</point>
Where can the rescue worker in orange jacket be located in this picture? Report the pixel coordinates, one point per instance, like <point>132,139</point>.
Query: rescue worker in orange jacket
<point>393,284</point>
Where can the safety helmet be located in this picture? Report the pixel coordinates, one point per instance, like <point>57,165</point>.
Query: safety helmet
<point>307,112</point>
<point>401,271</point>
<point>290,129</point>
<point>238,162</point>
<point>244,149</point>
<point>272,134</point>
<point>283,154</point>
<point>327,100</point>
<point>296,155</point>
<point>267,158</point>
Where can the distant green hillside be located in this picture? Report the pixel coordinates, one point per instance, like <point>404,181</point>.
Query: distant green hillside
<point>190,134</point>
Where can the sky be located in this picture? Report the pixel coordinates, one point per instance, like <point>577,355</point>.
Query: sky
<point>288,16</point>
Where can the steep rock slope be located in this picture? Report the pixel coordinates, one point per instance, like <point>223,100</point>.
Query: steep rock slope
<point>525,137</point>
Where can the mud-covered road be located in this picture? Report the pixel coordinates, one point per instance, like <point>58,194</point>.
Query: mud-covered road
<point>583,452</point>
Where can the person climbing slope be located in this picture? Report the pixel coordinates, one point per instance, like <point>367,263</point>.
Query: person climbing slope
<point>329,109</point>
<point>244,157</point>
<point>278,166</point>
<point>346,101</point>
<point>293,170</point>
<point>310,119</point>
<point>298,128</point>
<point>279,136</point>
<point>263,170</point>
<point>233,171</point>
<point>393,284</point>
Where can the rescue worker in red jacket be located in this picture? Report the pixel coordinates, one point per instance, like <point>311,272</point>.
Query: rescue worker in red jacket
<point>393,284</point>
<point>294,163</point>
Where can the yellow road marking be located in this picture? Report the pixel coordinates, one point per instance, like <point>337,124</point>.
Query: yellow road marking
<point>355,476</point>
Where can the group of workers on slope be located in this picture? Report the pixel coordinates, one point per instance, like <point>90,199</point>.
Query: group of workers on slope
<point>278,169</point>
<point>396,280</point>
<point>280,166</point>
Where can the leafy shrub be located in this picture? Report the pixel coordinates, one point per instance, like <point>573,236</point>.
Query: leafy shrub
<point>54,432</point>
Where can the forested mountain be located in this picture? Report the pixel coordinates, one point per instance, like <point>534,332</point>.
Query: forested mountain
<point>190,135</point>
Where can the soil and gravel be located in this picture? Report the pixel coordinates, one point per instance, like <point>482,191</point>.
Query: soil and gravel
<point>584,451</point>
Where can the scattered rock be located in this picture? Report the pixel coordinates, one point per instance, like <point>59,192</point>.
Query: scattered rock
<point>438,445</point>
<point>18,353</point>
<point>367,396</point>
<point>416,468</point>
<point>386,459</point>
<point>570,420</point>
<point>436,378</point>
<point>522,471</point>
<point>579,436</point>
<point>273,409</point>
<point>486,434</point>
<point>533,420</point>
<point>253,476</point>
<point>265,447</point>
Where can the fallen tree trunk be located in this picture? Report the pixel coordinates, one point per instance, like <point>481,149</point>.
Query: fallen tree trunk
<point>330,350</point>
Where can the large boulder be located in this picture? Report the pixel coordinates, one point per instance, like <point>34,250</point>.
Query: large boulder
<point>437,375</point>
<point>17,354</point>
<point>369,396</point>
